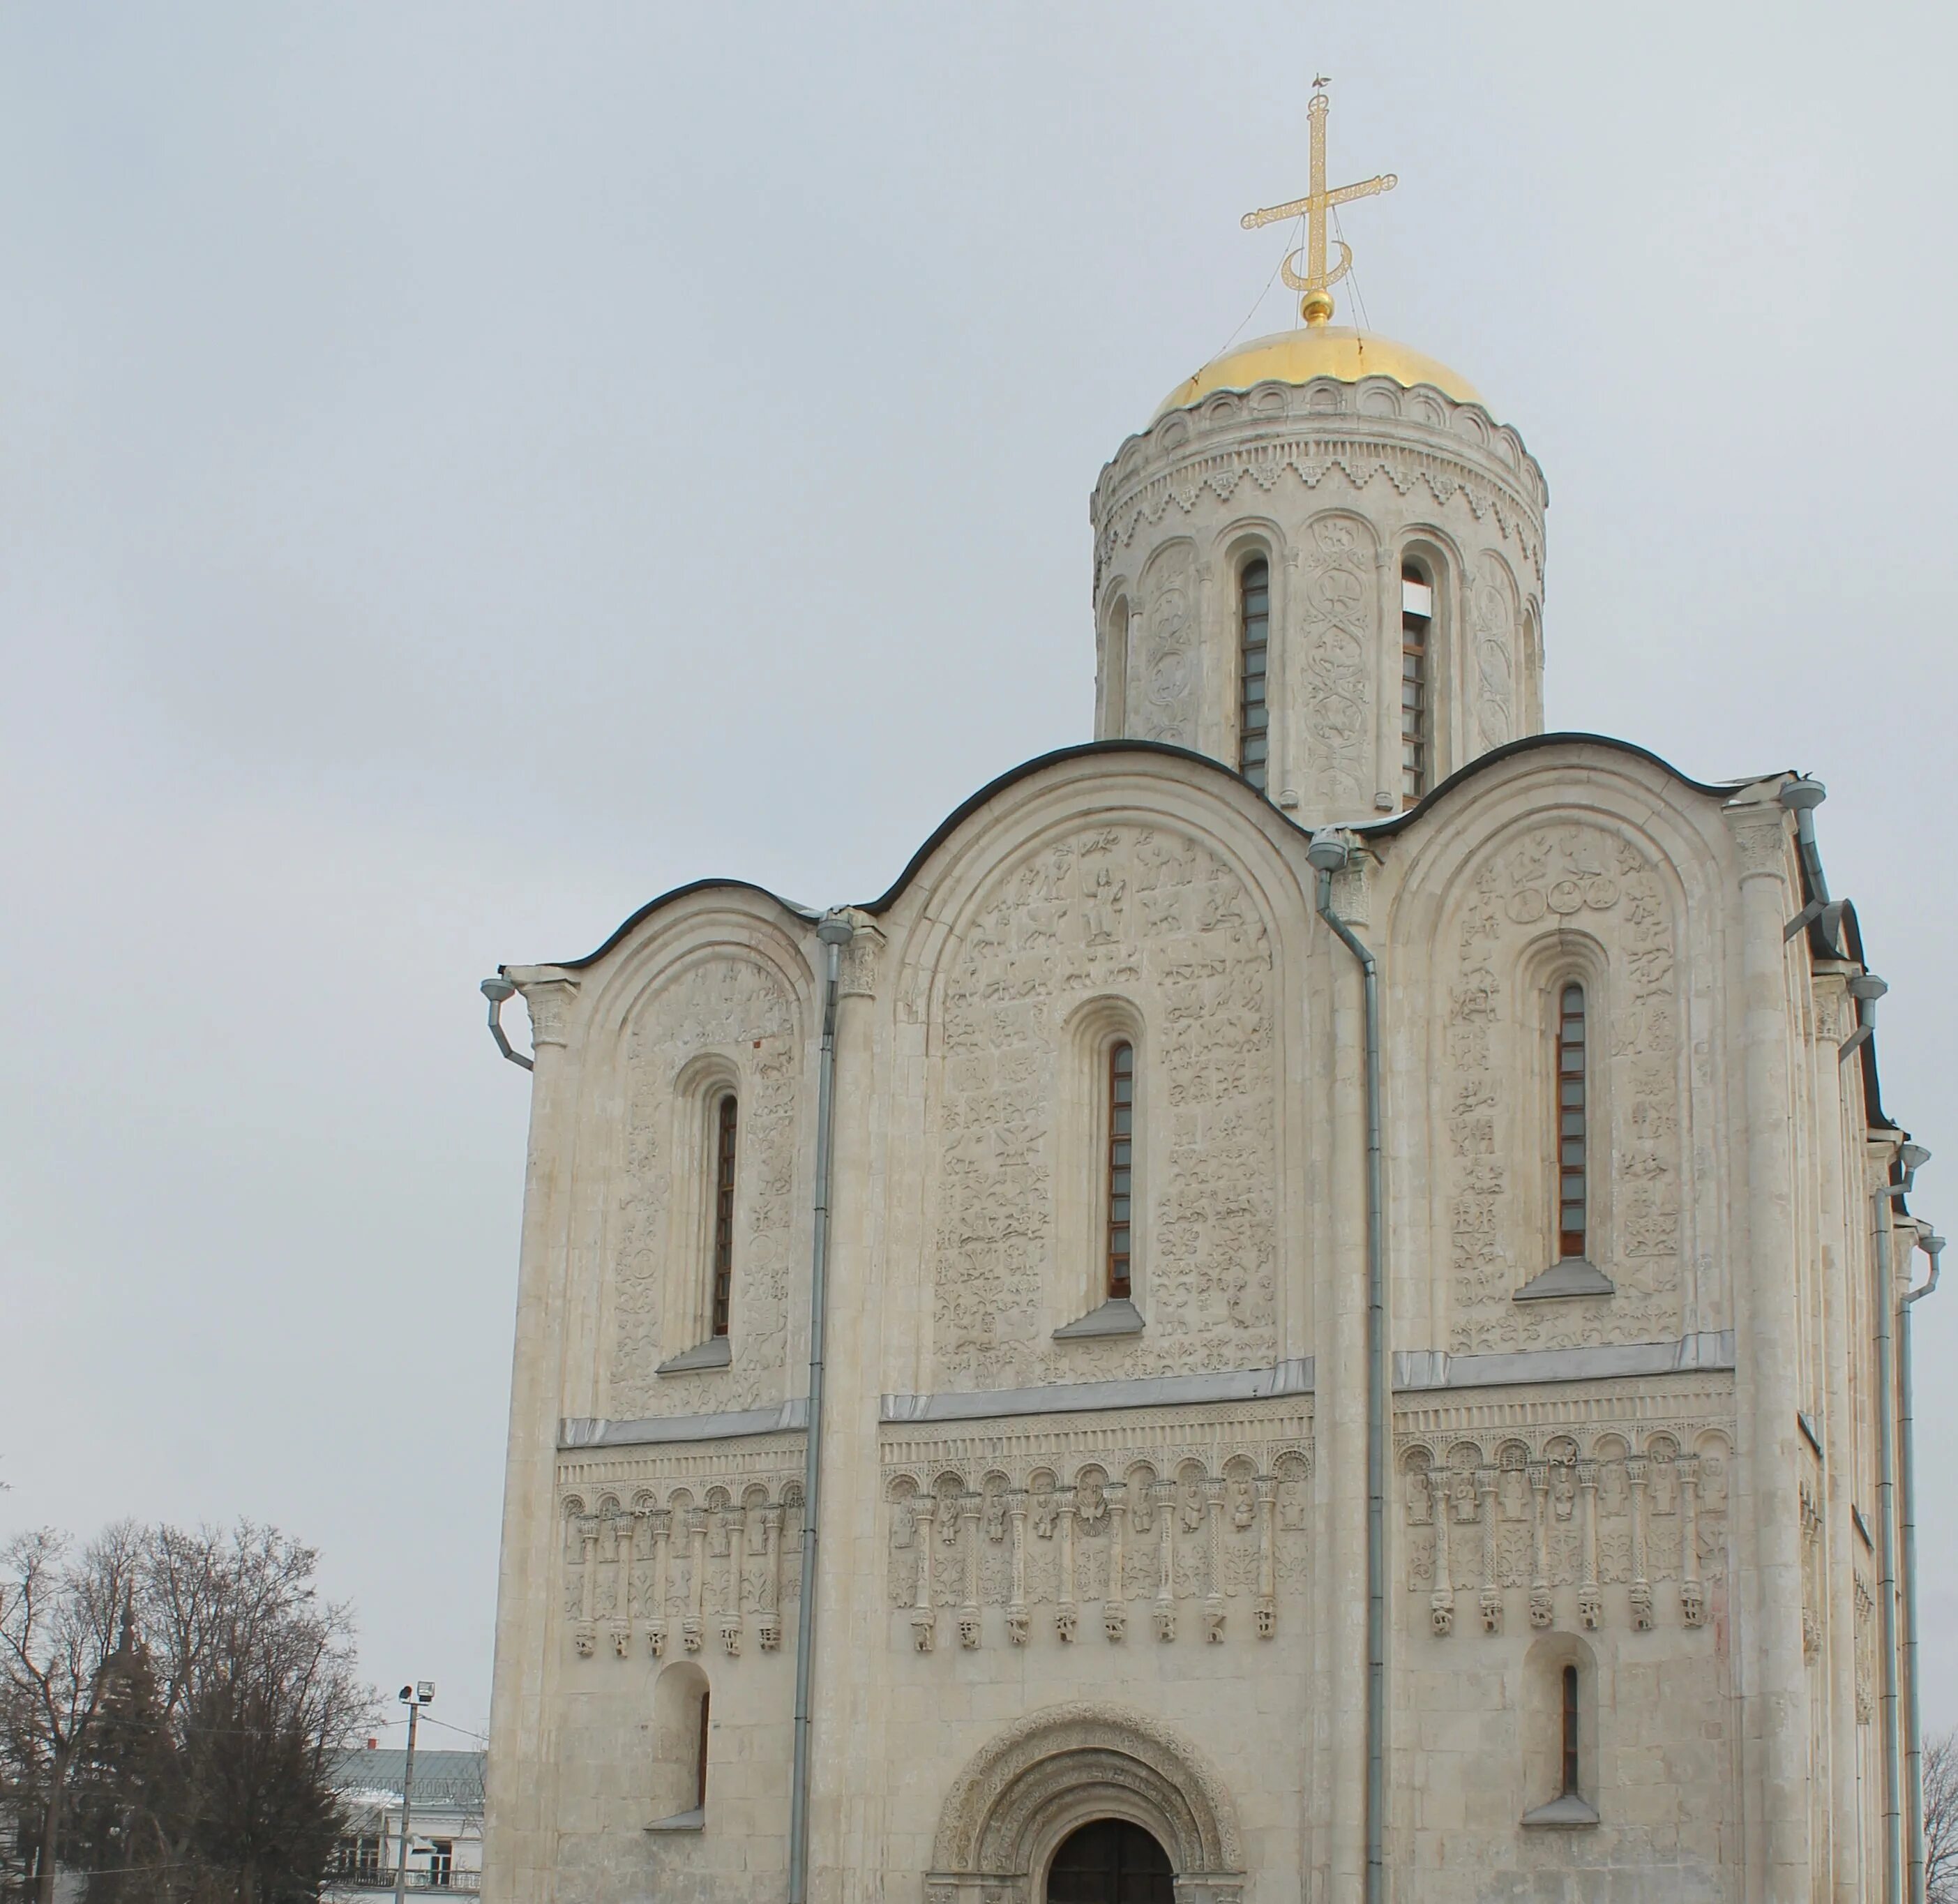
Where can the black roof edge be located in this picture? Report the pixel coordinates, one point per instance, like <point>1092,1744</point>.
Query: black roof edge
<point>1875,1115</point>
<point>1717,790</point>
<point>1085,750</point>
<point>1080,750</point>
<point>667,898</point>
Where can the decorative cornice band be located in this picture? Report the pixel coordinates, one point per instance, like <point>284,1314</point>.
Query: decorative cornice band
<point>1419,1369</point>
<point>1293,1378</point>
<point>1146,492</point>
<point>1414,1370</point>
<point>588,1431</point>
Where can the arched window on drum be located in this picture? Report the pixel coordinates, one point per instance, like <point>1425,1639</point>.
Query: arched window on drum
<point>1417,684</point>
<point>1254,628</point>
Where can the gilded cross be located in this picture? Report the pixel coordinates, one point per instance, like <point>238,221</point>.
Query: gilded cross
<point>1316,307</point>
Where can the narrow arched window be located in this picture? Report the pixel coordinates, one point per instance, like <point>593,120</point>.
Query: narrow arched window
<point>725,1116</point>
<point>1417,616</point>
<point>1254,628</point>
<point>1572,1116</point>
<point>1571,1788</point>
<point>700,1757</point>
<point>1121,1164</point>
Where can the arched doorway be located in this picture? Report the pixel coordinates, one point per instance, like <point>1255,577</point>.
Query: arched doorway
<point>1111,1861</point>
<point>1030,1819</point>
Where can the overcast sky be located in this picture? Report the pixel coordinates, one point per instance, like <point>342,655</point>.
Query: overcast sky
<point>464,469</point>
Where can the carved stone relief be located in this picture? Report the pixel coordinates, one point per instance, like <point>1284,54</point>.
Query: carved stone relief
<point>1163,692</point>
<point>1210,1517</point>
<point>1339,622</point>
<point>669,1568</point>
<point>1493,620</point>
<point>1497,1104</point>
<point>1541,1513</point>
<point>736,1006</point>
<point>1150,915</point>
<point>1136,493</point>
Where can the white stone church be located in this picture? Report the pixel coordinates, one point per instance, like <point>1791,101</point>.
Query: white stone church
<point>1324,1265</point>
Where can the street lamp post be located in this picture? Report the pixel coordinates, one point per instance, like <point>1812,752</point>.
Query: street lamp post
<point>414,1698</point>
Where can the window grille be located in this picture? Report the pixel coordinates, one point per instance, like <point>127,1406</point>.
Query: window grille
<point>1416,613</point>
<point>1254,622</point>
<point>1121,1164</point>
<point>1572,1135</point>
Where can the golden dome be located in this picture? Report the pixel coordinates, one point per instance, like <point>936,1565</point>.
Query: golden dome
<point>1317,351</point>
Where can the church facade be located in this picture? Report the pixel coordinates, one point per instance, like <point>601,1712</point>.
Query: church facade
<point>1340,1235</point>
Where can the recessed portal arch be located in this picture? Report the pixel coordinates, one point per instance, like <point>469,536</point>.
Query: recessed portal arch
<point>1010,1812</point>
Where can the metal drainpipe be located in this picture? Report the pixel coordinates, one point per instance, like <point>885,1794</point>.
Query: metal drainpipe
<point>1326,855</point>
<point>1885,1304</point>
<point>834,932</point>
<point>1933,1246</point>
<point>1801,796</point>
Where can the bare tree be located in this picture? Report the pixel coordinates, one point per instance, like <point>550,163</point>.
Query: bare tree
<point>59,1617</point>
<point>172,1706</point>
<point>259,1693</point>
<point>1940,1818</point>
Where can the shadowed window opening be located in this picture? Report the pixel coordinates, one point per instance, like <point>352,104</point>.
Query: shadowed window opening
<point>724,1118</point>
<point>700,1759</point>
<point>1570,1789</point>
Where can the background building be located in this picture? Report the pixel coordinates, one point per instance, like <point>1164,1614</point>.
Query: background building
<point>445,1828</point>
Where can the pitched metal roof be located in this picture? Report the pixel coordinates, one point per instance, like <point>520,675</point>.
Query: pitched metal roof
<point>444,1781</point>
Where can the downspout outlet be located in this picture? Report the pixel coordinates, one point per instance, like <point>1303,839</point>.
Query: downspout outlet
<point>499,991</point>
<point>1329,851</point>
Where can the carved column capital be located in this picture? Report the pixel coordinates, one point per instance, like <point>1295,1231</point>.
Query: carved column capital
<point>856,971</point>
<point>550,998</point>
<point>1761,834</point>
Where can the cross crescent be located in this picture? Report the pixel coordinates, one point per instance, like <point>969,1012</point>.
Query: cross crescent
<point>1385,182</point>
<point>1321,273</point>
